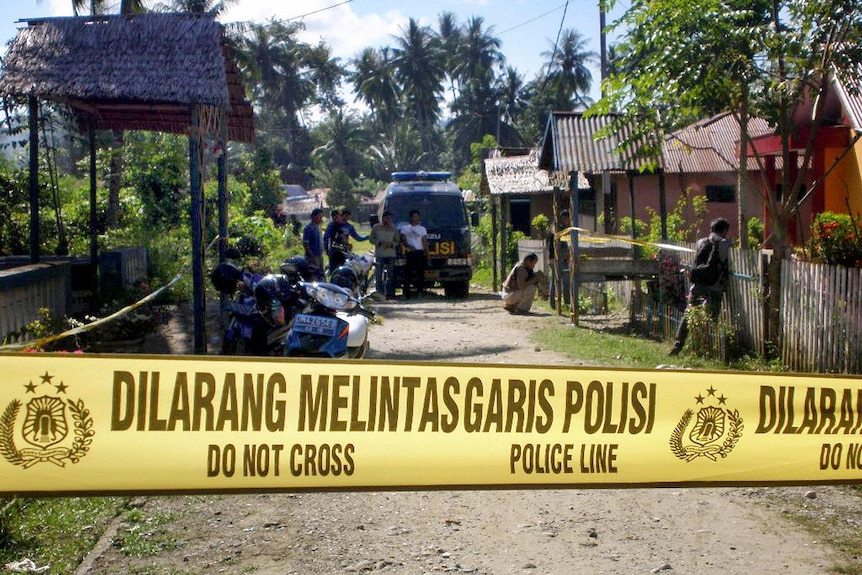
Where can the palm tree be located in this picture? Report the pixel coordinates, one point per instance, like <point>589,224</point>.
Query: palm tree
<point>400,149</point>
<point>476,109</point>
<point>568,77</point>
<point>477,54</point>
<point>270,60</point>
<point>325,72</point>
<point>196,6</point>
<point>94,7</point>
<point>374,83</point>
<point>512,101</point>
<point>418,61</point>
<point>339,138</point>
<point>450,40</point>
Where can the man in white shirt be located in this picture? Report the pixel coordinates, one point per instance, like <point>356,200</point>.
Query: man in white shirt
<point>414,239</point>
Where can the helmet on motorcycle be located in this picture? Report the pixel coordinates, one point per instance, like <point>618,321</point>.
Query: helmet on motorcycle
<point>224,277</point>
<point>296,267</point>
<point>345,277</point>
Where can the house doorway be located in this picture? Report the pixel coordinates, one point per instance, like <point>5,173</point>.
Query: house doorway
<point>519,212</point>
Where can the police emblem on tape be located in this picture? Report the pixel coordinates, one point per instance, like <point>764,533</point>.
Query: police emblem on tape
<point>45,427</point>
<point>715,429</point>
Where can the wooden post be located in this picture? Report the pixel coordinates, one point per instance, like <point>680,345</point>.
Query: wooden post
<point>635,250</point>
<point>494,228</point>
<point>662,204</point>
<point>35,251</point>
<point>574,248</point>
<point>504,236</point>
<point>200,344</point>
<point>222,188</point>
<point>94,218</point>
<point>558,281</point>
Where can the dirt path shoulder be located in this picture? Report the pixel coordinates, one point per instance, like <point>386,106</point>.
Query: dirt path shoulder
<point>690,531</point>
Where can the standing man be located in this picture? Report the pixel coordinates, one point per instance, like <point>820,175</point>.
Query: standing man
<point>334,240</point>
<point>349,230</point>
<point>385,238</point>
<point>313,242</point>
<point>414,238</point>
<point>713,251</point>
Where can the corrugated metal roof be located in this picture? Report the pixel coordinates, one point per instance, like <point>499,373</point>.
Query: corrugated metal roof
<point>850,101</point>
<point>569,144</point>
<point>710,145</point>
<point>520,175</point>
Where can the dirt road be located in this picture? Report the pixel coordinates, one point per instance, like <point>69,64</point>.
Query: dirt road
<point>684,531</point>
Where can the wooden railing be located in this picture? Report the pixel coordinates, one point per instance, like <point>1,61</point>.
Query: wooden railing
<point>60,285</point>
<point>27,289</point>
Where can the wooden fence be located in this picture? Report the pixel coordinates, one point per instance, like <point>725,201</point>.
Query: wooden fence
<point>821,311</point>
<point>821,318</point>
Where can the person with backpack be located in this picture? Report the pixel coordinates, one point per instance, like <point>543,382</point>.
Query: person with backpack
<point>709,276</point>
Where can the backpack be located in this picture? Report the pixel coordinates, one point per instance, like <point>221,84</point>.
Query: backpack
<point>706,270</point>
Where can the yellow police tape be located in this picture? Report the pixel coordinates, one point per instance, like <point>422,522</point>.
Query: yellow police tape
<point>565,235</point>
<point>102,424</point>
<point>36,344</point>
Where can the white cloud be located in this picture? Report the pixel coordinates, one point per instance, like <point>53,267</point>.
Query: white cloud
<point>344,31</point>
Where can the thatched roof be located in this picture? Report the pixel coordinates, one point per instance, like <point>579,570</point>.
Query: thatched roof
<point>141,72</point>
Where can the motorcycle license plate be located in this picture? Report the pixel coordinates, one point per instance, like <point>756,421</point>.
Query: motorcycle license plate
<point>315,324</point>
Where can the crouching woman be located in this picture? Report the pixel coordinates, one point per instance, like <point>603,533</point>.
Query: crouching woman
<point>521,284</point>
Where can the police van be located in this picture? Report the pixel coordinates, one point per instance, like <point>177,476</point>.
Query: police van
<point>444,214</point>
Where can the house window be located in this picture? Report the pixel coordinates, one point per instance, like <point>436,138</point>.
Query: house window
<point>723,194</point>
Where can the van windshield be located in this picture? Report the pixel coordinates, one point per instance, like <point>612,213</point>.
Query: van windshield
<point>436,210</point>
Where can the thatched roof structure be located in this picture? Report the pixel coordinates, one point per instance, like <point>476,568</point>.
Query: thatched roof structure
<point>141,72</point>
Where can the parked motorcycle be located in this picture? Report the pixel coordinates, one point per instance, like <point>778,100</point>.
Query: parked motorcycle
<point>335,324</point>
<point>355,274</point>
<point>260,309</point>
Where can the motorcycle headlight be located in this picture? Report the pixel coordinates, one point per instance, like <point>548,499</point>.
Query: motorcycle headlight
<point>331,296</point>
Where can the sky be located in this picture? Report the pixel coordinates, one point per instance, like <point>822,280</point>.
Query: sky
<point>526,28</point>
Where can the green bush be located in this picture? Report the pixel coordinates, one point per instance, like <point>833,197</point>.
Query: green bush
<point>836,239</point>
<point>711,338</point>
<point>259,241</point>
<point>541,224</point>
<point>482,254</point>
<point>755,233</point>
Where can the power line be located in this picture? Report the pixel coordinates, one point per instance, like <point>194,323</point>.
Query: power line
<point>531,20</point>
<point>301,16</point>
<point>556,43</point>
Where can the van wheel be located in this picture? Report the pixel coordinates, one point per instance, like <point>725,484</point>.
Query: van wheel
<point>457,289</point>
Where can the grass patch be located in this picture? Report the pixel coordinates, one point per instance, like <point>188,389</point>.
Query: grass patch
<point>838,527</point>
<point>605,344</point>
<point>606,348</point>
<point>56,532</point>
<point>144,535</point>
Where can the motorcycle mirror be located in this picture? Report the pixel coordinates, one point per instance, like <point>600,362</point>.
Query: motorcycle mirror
<point>375,295</point>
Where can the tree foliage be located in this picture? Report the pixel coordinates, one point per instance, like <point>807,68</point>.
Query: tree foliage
<point>770,58</point>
